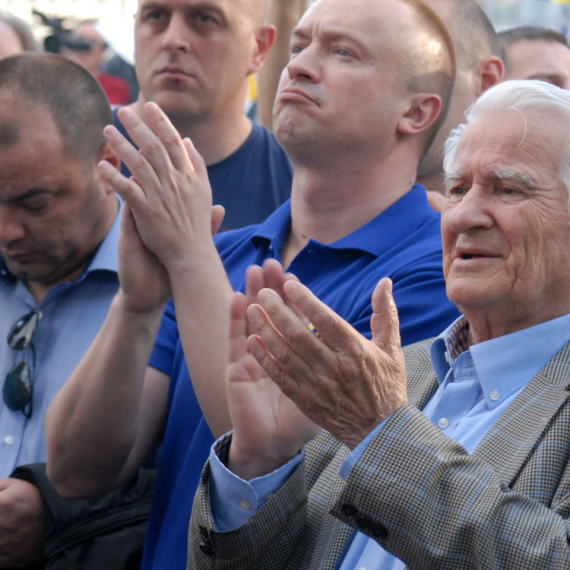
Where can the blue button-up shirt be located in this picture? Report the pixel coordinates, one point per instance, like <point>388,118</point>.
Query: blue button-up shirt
<point>476,385</point>
<point>72,314</point>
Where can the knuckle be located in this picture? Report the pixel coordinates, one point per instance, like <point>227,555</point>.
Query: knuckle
<point>151,147</point>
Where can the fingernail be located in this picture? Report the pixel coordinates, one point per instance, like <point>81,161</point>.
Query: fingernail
<point>253,312</point>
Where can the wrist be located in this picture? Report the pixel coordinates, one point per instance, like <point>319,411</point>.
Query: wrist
<point>138,316</point>
<point>248,464</point>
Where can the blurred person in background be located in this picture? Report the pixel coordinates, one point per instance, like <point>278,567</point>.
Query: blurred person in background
<point>15,36</point>
<point>89,51</point>
<point>531,52</point>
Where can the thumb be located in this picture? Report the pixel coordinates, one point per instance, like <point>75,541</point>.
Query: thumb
<point>384,322</point>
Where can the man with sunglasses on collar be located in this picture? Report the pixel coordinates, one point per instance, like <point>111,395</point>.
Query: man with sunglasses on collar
<point>59,230</point>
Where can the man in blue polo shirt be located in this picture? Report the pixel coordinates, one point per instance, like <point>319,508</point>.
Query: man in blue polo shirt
<point>355,216</point>
<point>195,60</point>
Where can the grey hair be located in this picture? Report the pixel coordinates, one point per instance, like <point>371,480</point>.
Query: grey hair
<point>517,95</point>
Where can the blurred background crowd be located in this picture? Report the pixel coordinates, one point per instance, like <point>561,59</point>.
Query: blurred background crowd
<point>99,33</point>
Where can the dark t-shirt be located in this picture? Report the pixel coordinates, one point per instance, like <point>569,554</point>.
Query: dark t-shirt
<point>251,183</point>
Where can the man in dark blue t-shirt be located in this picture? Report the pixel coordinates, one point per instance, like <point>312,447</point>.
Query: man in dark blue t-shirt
<point>195,62</point>
<point>355,216</point>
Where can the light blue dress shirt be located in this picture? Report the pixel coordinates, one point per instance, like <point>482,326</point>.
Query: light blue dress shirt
<point>475,388</point>
<point>72,314</point>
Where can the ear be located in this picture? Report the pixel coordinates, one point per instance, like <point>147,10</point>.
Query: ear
<point>264,40</point>
<point>106,153</point>
<point>490,71</point>
<point>422,114</point>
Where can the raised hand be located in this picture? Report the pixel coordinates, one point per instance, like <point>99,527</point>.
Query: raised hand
<point>342,381</point>
<point>169,192</point>
<point>269,429</point>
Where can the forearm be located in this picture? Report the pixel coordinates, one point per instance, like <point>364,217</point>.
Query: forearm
<point>92,424</point>
<point>202,296</point>
<point>284,14</point>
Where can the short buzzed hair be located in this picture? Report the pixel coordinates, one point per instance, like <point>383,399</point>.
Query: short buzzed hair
<point>532,33</point>
<point>68,91</point>
<point>473,33</point>
<point>430,70</point>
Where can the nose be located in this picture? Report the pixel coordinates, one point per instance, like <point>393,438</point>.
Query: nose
<point>11,229</point>
<point>177,35</point>
<point>304,66</point>
<point>474,210</point>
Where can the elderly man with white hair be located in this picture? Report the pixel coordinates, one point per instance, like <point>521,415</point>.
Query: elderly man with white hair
<point>453,455</point>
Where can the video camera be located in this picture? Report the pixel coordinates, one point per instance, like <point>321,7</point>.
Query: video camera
<point>60,36</point>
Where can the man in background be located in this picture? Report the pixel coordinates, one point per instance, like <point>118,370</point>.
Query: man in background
<point>194,59</point>
<point>531,52</point>
<point>87,47</point>
<point>15,36</point>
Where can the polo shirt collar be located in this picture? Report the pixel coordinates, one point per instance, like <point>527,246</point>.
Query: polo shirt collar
<point>374,238</point>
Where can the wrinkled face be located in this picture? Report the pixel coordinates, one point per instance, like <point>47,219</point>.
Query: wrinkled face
<point>505,230</point>
<point>193,57</point>
<point>51,213</point>
<point>10,43</point>
<point>547,61</point>
<point>342,85</point>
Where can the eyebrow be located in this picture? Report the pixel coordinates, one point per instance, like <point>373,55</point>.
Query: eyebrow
<point>500,173</point>
<point>515,176</point>
<point>333,36</point>
<point>29,194</point>
<point>451,176</point>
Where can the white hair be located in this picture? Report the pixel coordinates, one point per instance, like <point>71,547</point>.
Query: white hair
<point>518,95</point>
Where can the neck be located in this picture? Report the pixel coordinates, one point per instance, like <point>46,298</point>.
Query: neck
<point>487,325</point>
<point>328,204</point>
<point>215,136</point>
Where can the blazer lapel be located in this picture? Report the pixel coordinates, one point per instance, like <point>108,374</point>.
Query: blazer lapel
<point>523,424</point>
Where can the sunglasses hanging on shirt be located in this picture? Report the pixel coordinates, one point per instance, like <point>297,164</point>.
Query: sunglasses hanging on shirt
<point>19,383</point>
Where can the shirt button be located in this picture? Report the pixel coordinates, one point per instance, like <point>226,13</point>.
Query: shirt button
<point>8,440</point>
<point>494,395</point>
<point>362,568</point>
<point>443,423</point>
<point>244,505</point>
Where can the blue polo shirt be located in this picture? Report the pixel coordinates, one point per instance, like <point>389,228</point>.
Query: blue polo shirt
<point>72,314</point>
<point>250,183</point>
<point>402,243</point>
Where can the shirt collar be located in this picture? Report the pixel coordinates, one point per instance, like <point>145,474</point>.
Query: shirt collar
<point>504,364</point>
<point>375,237</point>
<point>106,257</point>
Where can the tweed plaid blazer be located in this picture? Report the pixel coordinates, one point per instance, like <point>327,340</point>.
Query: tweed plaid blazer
<point>417,492</point>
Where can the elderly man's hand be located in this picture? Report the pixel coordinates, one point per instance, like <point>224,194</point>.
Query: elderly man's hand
<point>269,429</point>
<point>342,381</point>
<point>22,525</point>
